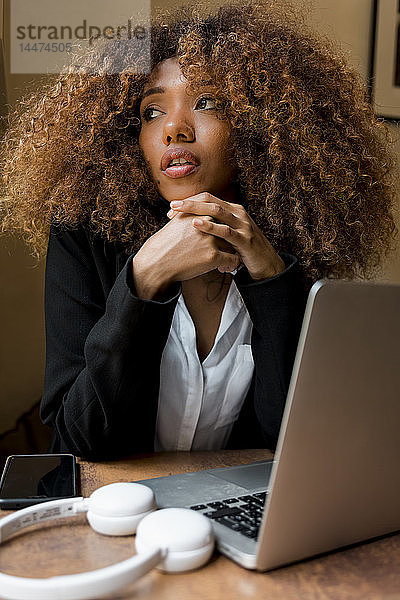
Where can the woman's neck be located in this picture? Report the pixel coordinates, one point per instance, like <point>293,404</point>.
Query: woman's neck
<point>205,297</point>
<point>211,287</point>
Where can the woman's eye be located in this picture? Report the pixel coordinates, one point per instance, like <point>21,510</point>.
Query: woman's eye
<point>206,103</point>
<point>147,114</point>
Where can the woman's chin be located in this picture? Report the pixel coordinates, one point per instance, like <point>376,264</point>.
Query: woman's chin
<point>181,192</point>
<point>187,189</point>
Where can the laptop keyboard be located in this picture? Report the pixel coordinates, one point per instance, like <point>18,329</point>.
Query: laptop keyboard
<point>242,514</point>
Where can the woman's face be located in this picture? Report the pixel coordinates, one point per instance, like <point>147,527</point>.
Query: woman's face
<point>183,128</point>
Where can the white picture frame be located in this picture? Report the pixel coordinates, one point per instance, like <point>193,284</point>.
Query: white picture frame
<point>386,59</point>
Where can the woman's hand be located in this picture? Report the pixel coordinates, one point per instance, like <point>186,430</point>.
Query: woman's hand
<point>177,252</point>
<point>231,223</point>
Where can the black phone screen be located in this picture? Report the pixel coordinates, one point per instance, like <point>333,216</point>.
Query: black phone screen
<point>29,479</point>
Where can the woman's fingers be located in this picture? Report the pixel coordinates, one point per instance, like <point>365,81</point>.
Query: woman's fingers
<point>231,224</point>
<point>228,262</point>
<point>219,230</point>
<point>172,213</point>
<point>256,253</point>
<point>218,209</point>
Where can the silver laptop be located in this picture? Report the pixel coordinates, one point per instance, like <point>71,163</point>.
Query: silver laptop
<point>335,479</point>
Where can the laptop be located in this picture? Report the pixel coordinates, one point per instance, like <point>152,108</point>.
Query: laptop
<point>335,477</point>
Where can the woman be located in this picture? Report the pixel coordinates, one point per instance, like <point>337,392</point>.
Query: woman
<point>190,209</point>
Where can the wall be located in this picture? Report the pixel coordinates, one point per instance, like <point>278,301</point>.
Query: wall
<point>22,344</point>
<point>350,22</point>
<point>21,296</point>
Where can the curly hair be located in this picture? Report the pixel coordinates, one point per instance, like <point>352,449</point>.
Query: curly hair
<point>316,171</point>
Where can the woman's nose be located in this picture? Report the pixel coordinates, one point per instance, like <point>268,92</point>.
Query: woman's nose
<point>178,129</point>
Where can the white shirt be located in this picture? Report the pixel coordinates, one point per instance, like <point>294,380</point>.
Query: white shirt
<point>200,401</point>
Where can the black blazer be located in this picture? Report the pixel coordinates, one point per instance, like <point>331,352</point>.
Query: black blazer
<point>104,347</point>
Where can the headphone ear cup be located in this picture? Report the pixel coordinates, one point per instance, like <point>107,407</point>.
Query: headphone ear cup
<point>115,525</point>
<point>116,509</point>
<point>187,537</point>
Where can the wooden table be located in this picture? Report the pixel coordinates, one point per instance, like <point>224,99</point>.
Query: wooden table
<point>370,571</point>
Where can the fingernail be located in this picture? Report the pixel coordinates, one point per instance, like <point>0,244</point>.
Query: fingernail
<point>176,203</point>
<point>170,213</point>
<point>197,222</point>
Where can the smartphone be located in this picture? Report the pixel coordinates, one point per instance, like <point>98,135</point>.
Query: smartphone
<point>32,478</point>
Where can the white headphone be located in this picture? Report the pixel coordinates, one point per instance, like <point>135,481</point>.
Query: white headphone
<point>171,539</point>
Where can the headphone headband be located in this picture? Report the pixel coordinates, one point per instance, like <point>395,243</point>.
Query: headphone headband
<point>39,513</point>
<point>68,587</point>
<point>158,544</point>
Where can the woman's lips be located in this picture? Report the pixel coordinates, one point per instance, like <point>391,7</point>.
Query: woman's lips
<point>180,170</point>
